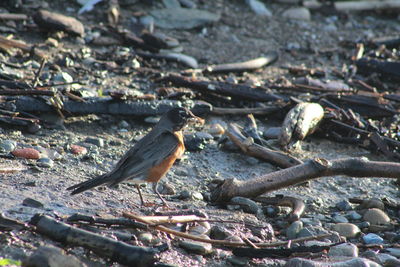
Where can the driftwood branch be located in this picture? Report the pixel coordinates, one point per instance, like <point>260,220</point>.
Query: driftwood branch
<point>253,64</point>
<point>352,167</point>
<point>278,158</point>
<point>106,247</point>
<point>221,242</point>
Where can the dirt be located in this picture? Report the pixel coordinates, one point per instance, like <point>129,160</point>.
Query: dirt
<point>239,35</point>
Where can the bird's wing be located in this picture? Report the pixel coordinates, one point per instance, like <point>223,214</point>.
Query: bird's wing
<point>144,155</point>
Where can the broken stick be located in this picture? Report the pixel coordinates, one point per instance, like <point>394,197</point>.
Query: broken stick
<point>353,167</point>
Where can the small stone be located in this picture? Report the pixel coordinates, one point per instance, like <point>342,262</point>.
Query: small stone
<point>272,132</point>
<point>45,162</point>
<point>344,205</point>
<point>392,263</point>
<point>51,256</point>
<point>97,141</point>
<point>27,153</point>
<point>199,230</point>
<point>363,225</point>
<point>372,203</point>
<point>123,124</point>
<point>51,42</point>
<point>57,22</point>
<point>353,215</point>
<point>219,232</point>
<point>265,233</point>
<point>346,229</point>
<point>167,189</point>
<point>63,77</point>
<point>344,250</point>
<point>7,146</point>
<point>294,229</point>
<point>259,8</point>
<point>197,196</point>
<point>171,3</point>
<point>78,150</point>
<point>339,219</point>
<point>196,247</point>
<point>146,238</point>
<point>238,261</point>
<point>252,161</point>
<point>30,202</point>
<point>298,13</point>
<point>372,239</point>
<point>383,258</point>
<point>394,252</point>
<point>188,3</point>
<point>246,204</point>
<point>376,216</point>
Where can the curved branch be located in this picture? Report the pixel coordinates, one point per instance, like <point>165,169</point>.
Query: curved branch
<point>353,167</point>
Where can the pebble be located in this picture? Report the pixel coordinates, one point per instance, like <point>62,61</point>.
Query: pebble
<point>237,261</point>
<point>353,215</point>
<point>199,230</point>
<point>186,194</point>
<point>45,162</point>
<point>27,153</point>
<point>298,13</point>
<point>394,252</point>
<point>51,256</point>
<point>246,204</point>
<point>372,203</point>
<point>171,3</point>
<point>376,216</point>
<point>30,202</point>
<point>78,150</point>
<point>145,237</point>
<point>7,146</point>
<point>216,130</point>
<point>293,230</point>
<point>188,3</point>
<point>345,249</point>
<point>346,229</point>
<point>259,8</point>
<point>372,239</point>
<point>196,247</point>
<point>97,141</point>
<point>392,263</point>
<point>344,205</point>
<point>123,124</point>
<point>167,189</point>
<point>339,219</point>
<point>194,143</point>
<point>266,232</point>
<point>219,232</point>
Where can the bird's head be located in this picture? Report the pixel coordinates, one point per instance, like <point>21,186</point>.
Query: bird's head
<point>177,118</point>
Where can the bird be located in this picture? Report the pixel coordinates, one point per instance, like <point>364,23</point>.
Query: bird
<point>150,158</point>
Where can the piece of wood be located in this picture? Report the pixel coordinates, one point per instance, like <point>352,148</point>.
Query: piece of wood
<point>248,147</point>
<point>117,251</point>
<point>13,16</point>
<point>221,242</point>
<point>249,65</point>
<point>9,43</point>
<point>352,167</point>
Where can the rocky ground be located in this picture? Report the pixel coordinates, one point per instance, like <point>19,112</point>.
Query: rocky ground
<point>237,35</point>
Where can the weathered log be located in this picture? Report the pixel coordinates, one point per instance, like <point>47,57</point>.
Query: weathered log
<point>241,92</point>
<point>103,246</point>
<point>353,167</point>
<point>104,105</point>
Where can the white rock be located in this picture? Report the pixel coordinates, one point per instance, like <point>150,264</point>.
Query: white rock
<point>259,8</point>
<point>300,13</point>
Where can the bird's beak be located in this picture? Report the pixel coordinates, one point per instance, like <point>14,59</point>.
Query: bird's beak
<point>195,120</point>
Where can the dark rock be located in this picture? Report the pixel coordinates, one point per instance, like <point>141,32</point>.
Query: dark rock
<point>30,202</point>
<point>57,22</point>
<point>219,232</point>
<point>51,257</point>
<point>246,204</point>
<point>194,143</point>
<point>97,141</point>
<point>344,205</point>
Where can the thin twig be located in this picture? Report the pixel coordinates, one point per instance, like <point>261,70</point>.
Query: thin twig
<point>222,242</point>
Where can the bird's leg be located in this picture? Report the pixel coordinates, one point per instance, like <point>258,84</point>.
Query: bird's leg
<point>158,194</point>
<point>140,193</point>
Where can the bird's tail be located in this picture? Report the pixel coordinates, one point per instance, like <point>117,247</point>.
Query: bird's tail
<point>79,188</point>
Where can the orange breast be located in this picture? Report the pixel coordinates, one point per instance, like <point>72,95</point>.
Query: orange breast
<point>160,170</point>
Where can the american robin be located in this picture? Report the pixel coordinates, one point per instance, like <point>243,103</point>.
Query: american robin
<point>150,158</point>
